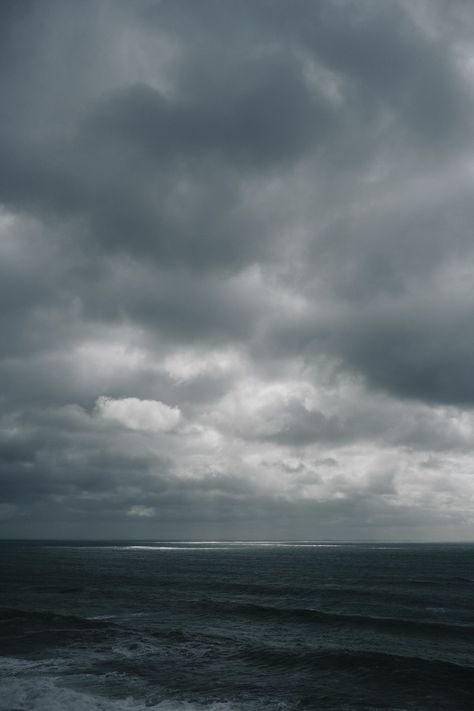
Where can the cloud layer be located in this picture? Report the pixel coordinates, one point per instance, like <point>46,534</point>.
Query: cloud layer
<point>236,269</point>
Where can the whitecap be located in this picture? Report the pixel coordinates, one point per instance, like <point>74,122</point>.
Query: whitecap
<point>45,694</point>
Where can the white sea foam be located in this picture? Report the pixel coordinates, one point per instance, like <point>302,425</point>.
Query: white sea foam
<point>39,693</point>
<point>225,546</point>
<point>177,548</point>
<point>149,548</point>
<point>190,546</point>
<point>10,666</point>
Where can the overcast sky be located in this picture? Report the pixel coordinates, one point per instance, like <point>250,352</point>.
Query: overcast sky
<point>237,269</point>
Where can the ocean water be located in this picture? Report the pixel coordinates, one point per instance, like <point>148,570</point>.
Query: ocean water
<point>235,626</point>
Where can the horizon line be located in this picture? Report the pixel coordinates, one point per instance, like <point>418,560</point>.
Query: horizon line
<point>240,540</point>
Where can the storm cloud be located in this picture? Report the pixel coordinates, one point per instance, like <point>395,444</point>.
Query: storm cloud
<point>236,269</point>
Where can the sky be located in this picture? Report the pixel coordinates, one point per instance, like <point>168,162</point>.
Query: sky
<point>237,269</point>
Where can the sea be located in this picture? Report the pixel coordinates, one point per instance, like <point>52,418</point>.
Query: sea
<point>235,626</point>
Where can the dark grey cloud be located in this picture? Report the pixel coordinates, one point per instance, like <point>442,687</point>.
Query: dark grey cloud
<point>251,223</point>
<point>270,118</point>
<point>424,353</point>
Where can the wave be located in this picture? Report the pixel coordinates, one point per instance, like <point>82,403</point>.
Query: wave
<point>347,590</point>
<point>14,616</point>
<point>441,580</point>
<point>40,694</point>
<point>340,660</point>
<point>25,633</point>
<point>392,624</point>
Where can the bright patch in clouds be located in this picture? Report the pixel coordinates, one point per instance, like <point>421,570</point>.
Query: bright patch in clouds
<point>135,414</point>
<point>141,511</point>
<point>184,366</point>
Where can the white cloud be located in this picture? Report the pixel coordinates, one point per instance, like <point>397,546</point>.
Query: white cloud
<point>141,511</point>
<point>186,365</point>
<point>255,408</point>
<point>145,415</point>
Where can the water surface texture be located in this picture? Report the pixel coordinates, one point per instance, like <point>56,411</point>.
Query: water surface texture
<point>236,626</point>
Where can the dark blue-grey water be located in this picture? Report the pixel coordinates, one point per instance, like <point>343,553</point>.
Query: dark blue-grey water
<point>235,626</point>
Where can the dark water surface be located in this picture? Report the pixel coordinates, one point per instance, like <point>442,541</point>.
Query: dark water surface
<point>235,626</point>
